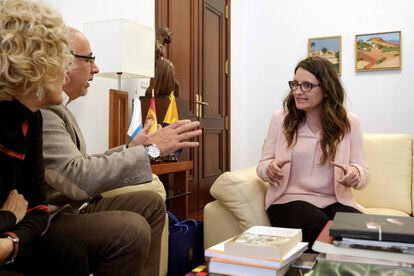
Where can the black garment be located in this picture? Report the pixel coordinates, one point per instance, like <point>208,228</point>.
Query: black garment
<point>51,255</point>
<point>306,216</point>
<point>21,168</point>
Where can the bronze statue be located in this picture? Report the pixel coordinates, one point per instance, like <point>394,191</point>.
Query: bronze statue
<point>164,80</point>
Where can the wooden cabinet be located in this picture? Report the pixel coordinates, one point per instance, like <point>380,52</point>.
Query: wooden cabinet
<point>177,187</point>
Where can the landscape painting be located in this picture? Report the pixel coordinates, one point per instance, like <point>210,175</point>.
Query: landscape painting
<point>327,47</point>
<point>378,51</point>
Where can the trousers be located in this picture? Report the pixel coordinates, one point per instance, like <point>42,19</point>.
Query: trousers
<point>50,255</point>
<point>122,234</point>
<point>306,216</point>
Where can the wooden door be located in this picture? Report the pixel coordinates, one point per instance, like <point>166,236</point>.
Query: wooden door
<point>199,50</point>
<point>118,114</point>
<point>212,97</point>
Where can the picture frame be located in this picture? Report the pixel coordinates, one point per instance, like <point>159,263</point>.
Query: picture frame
<point>329,47</point>
<point>378,51</point>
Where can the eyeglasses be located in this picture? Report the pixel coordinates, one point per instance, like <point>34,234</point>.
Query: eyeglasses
<point>305,86</point>
<point>90,59</point>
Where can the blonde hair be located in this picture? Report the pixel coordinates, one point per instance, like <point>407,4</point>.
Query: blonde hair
<point>34,50</point>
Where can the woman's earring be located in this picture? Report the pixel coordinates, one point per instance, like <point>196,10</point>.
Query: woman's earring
<point>40,94</point>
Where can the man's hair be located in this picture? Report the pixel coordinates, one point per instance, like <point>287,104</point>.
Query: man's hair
<point>34,50</point>
<point>334,120</point>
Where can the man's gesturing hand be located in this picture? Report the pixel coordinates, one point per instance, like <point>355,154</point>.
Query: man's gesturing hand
<point>274,170</point>
<point>172,138</point>
<point>351,176</point>
<point>142,136</point>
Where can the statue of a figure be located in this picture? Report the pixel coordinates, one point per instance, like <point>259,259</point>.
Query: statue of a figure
<point>164,80</point>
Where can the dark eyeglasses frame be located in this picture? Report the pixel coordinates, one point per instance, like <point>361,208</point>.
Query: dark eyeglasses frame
<point>293,83</point>
<point>90,59</point>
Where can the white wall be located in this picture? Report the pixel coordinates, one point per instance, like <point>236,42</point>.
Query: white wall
<point>92,111</point>
<point>270,37</point>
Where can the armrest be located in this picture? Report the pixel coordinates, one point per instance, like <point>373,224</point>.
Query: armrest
<point>242,193</point>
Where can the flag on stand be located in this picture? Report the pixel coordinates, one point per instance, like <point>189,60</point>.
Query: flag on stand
<point>171,116</point>
<point>152,114</point>
<point>172,113</point>
<point>136,121</point>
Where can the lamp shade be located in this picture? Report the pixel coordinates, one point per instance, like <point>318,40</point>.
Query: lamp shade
<point>122,48</point>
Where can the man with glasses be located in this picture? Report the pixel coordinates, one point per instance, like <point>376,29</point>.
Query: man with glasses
<point>122,233</point>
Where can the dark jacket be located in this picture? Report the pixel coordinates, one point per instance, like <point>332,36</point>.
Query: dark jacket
<point>21,168</point>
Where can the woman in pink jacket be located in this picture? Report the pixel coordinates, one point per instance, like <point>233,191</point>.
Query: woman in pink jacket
<point>313,155</point>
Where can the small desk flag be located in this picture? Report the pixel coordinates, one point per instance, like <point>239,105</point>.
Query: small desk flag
<point>136,121</point>
<point>152,114</point>
<point>172,113</point>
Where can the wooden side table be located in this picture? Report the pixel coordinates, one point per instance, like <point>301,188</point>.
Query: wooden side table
<point>177,191</point>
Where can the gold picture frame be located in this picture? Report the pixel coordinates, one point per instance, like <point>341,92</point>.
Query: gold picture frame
<point>378,51</point>
<point>329,47</point>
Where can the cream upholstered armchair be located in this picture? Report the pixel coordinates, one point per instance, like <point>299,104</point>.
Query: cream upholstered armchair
<point>240,195</point>
<point>156,186</point>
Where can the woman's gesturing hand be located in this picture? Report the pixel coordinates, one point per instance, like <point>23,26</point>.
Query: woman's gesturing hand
<point>351,176</point>
<point>274,170</point>
<point>16,204</point>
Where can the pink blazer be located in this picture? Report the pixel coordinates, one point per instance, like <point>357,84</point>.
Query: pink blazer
<point>349,151</point>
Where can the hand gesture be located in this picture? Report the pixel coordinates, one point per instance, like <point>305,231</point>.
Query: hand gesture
<point>351,176</point>
<point>142,136</point>
<point>171,138</point>
<point>274,170</point>
<point>16,204</point>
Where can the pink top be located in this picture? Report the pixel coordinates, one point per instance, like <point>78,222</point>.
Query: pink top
<point>304,178</point>
<point>309,181</point>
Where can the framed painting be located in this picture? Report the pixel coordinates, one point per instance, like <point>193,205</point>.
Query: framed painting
<point>378,51</point>
<point>329,47</point>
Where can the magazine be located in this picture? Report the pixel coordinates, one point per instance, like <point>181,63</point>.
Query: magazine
<point>373,227</point>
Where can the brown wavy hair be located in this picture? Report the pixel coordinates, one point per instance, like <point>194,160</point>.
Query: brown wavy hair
<point>334,120</point>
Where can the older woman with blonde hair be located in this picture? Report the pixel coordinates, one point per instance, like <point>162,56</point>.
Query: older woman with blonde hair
<point>34,58</point>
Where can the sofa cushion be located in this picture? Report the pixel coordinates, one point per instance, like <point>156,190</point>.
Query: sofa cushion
<point>389,158</point>
<point>243,194</point>
<point>386,212</point>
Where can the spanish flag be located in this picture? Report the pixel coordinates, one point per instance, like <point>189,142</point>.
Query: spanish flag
<point>152,114</point>
<point>172,113</point>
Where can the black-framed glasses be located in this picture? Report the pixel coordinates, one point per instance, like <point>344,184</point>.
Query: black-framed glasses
<point>305,86</point>
<point>90,59</point>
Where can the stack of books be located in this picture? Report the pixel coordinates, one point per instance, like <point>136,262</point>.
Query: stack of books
<point>369,239</point>
<point>260,250</point>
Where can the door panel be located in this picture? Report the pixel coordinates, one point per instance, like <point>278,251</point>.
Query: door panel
<point>212,76</point>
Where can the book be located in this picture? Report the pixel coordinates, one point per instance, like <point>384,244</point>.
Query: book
<point>326,267</point>
<point>217,251</point>
<point>263,242</point>
<point>226,267</point>
<point>365,260</point>
<point>306,261</point>
<point>324,244</point>
<point>398,247</point>
<point>373,227</point>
